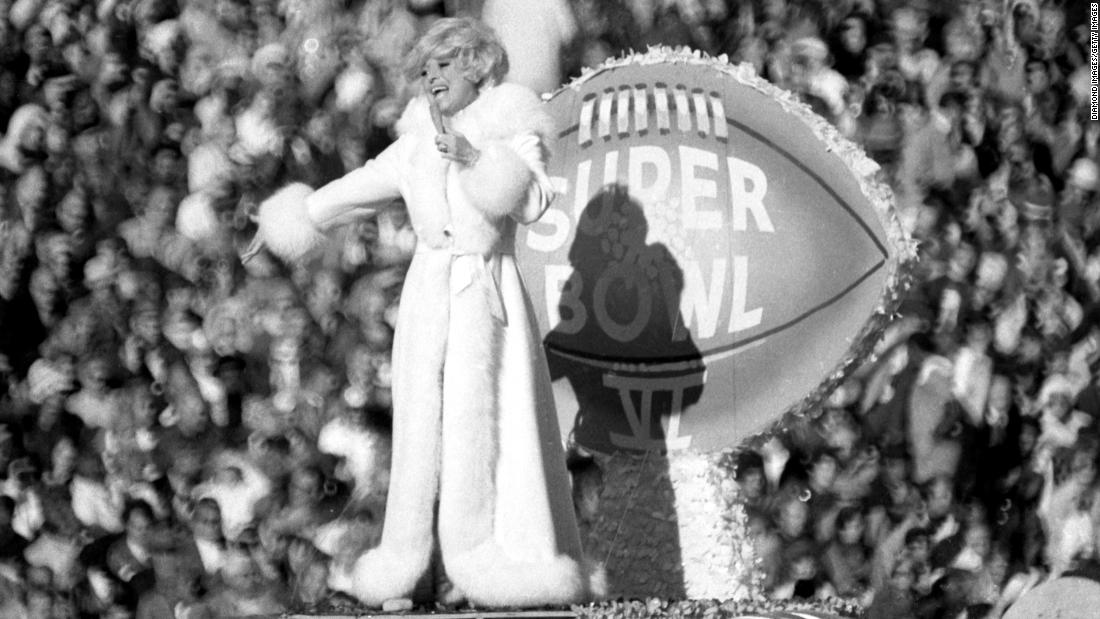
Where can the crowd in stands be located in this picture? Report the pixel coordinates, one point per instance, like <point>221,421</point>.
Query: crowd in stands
<point>184,435</point>
<point>957,470</point>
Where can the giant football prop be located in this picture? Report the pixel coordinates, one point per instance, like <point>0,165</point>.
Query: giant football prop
<point>719,258</point>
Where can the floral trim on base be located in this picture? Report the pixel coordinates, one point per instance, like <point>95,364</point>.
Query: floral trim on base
<point>759,608</point>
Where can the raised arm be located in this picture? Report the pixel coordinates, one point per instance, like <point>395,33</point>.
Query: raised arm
<point>507,178</point>
<point>293,221</point>
<point>359,193</point>
<point>507,129</point>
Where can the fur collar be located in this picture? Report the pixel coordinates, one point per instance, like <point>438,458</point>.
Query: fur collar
<point>499,112</point>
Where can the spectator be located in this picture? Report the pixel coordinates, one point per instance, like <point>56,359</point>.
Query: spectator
<point>803,577</point>
<point>846,559</point>
<point>751,481</point>
<point>130,558</point>
<point>894,599</point>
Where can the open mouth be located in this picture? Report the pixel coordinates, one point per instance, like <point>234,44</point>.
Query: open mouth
<point>438,89</point>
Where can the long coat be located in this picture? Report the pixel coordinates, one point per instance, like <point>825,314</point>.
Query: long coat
<point>474,423</point>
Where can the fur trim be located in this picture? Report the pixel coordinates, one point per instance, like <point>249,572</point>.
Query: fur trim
<point>502,112</point>
<point>393,569</point>
<point>384,573</point>
<point>499,113</point>
<point>416,118</point>
<point>480,562</point>
<point>488,576</point>
<point>347,538</point>
<point>495,124</point>
<point>498,182</point>
<point>470,447</point>
<point>284,225</point>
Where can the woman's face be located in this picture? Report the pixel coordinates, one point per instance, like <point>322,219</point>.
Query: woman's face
<point>207,523</point>
<point>895,470</point>
<point>95,374</point>
<point>144,409</point>
<point>902,577</point>
<point>940,498</point>
<point>962,76</point>
<point>72,213</point>
<point>160,209</point>
<point>1084,468</point>
<point>1000,393</point>
<point>165,96</point>
<point>30,194</point>
<point>138,527</point>
<point>792,518</point>
<point>1027,25</point>
<point>59,257</point>
<point>775,10</point>
<point>63,459</point>
<point>964,43</point>
<point>166,166</point>
<point>752,484</point>
<point>977,539</point>
<point>325,294</point>
<point>1052,30</point>
<point>823,474</point>
<point>232,14</point>
<point>44,289</point>
<point>112,72</point>
<point>50,410</point>
<point>37,42</point>
<point>445,83</point>
<point>853,37</point>
<point>305,488</point>
<point>1027,439</point>
<point>313,585</point>
<point>804,568</point>
<point>1058,406</point>
<point>851,532</point>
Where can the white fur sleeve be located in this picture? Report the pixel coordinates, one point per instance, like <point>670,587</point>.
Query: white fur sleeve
<point>541,192</point>
<point>509,178</point>
<point>358,193</point>
<point>284,226</point>
<point>293,220</point>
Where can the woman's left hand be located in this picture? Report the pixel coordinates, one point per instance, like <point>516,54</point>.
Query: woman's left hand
<point>457,148</point>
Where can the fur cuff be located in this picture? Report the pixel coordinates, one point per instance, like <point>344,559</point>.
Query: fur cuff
<point>383,573</point>
<point>488,576</point>
<point>285,227</point>
<point>498,182</point>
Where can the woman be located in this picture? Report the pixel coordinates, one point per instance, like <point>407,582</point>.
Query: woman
<point>1067,504</point>
<point>474,424</point>
<point>846,558</point>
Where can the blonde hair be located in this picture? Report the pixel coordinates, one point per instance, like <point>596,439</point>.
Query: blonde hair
<point>472,44</point>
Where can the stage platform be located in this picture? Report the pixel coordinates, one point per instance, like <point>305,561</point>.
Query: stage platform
<point>473,614</point>
<point>533,614</point>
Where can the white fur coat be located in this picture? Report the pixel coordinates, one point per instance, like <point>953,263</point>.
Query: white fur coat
<point>474,433</point>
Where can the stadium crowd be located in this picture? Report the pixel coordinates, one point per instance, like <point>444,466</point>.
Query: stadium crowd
<point>184,435</point>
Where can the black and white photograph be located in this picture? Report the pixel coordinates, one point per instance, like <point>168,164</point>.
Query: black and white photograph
<point>549,309</point>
